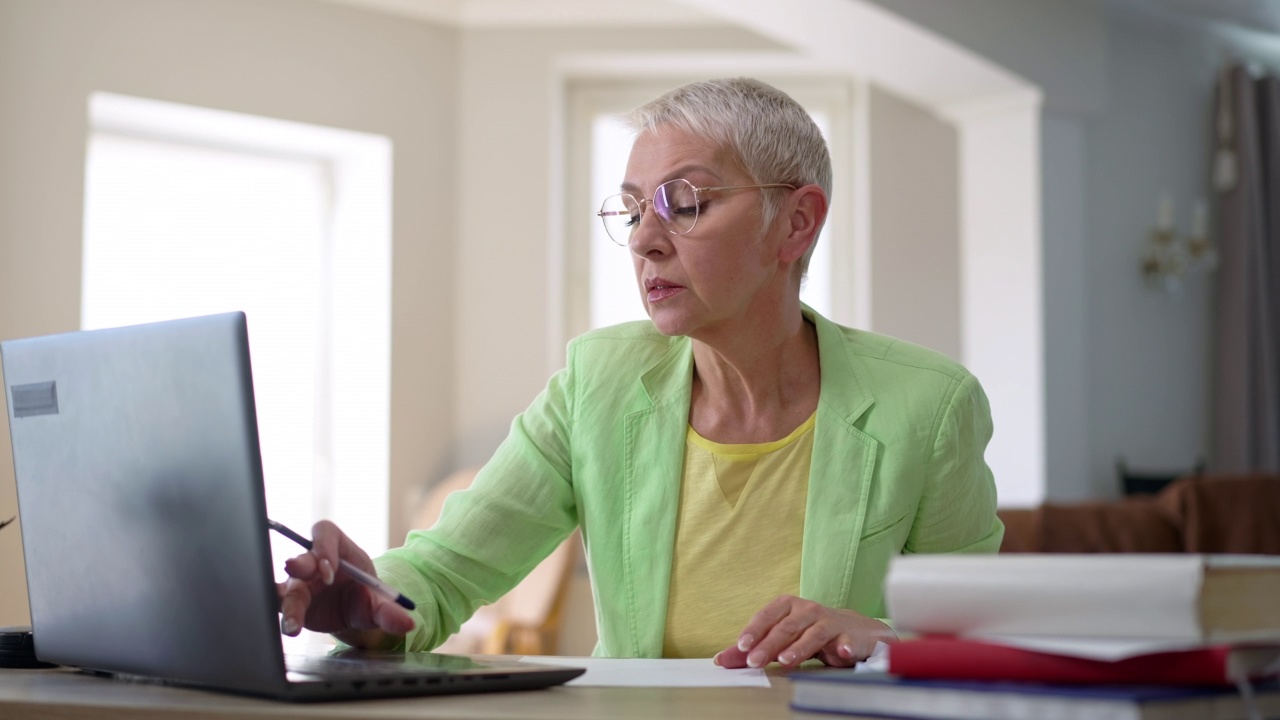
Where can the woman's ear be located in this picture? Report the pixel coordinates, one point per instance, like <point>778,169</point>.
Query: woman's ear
<point>806,211</point>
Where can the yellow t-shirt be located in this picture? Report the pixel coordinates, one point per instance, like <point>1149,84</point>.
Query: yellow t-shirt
<point>738,537</point>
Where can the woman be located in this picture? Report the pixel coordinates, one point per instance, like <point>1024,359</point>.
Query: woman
<point>742,468</point>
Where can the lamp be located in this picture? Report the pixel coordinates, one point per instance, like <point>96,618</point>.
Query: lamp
<point>1170,257</point>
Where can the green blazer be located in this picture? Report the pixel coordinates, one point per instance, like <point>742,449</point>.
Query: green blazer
<point>897,467</point>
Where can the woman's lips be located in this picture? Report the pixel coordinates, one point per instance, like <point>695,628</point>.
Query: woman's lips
<point>659,289</point>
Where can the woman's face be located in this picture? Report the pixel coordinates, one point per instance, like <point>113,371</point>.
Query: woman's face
<point>710,279</point>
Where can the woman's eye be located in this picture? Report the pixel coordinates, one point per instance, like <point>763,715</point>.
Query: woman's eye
<point>686,210</point>
<point>632,221</point>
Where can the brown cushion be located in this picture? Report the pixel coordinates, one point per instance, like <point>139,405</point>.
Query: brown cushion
<point>1021,530</point>
<point>1130,525</point>
<point>1225,513</point>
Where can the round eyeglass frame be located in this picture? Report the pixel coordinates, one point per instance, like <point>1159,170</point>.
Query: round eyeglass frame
<point>604,214</point>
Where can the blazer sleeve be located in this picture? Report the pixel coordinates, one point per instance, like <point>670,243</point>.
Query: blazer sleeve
<point>957,512</point>
<point>519,508</point>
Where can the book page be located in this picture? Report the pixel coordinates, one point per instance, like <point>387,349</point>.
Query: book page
<point>1144,596</point>
<point>1108,649</point>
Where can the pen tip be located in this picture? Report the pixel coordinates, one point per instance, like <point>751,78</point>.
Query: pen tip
<point>405,602</point>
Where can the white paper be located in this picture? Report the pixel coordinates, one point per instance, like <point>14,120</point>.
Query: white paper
<point>646,672</point>
<point>877,661</point>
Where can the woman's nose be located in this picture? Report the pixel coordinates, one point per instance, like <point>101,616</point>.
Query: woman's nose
<point>650,235</point>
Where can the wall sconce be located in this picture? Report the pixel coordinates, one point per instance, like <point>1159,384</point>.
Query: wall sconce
<point>1171,257</point>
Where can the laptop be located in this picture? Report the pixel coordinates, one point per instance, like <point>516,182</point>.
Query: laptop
<point>144,522</point>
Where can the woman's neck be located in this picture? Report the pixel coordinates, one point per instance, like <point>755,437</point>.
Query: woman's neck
<point>756,386</point>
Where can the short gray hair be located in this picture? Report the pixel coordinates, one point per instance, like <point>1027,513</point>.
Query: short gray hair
<point>770,134</point>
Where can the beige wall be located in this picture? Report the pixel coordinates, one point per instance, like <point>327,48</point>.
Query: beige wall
<point>292,59</point>
<point>915,215</point>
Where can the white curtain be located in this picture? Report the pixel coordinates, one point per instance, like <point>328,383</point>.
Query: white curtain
<point>1246,383</point>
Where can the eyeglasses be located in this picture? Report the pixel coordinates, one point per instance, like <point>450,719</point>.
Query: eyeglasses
<point>678,203</point>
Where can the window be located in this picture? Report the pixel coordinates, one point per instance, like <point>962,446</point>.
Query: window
<point>190,211</point>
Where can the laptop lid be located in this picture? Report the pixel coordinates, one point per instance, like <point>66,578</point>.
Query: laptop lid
<point>143,512</point>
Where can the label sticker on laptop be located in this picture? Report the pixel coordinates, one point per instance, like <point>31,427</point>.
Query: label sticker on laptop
<point>35,399</point>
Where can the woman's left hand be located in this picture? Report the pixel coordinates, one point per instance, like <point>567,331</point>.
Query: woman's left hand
<point>790,630</point>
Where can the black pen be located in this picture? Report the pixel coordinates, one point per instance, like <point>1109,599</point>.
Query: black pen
<point>356,573</point>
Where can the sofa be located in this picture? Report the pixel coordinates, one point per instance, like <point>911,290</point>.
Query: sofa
<point>1194,514</point>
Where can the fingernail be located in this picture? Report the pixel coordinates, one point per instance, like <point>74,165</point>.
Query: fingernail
<point>745,642</point>
<point>846,650</point>
<point>755,660</point>
<point>716,659</point>
<point>787,658</point>
<point>290,627</point>
<point>326,572</point>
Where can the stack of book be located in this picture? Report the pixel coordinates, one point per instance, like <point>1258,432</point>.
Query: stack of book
<point>1063,636</point>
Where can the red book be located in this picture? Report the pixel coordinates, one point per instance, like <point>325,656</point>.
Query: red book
<point>955,658</point>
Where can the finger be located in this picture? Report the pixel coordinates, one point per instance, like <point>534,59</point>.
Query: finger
<point>783,633</point>
<point>763,621</point>
<point>841,651</point>
<point>850,648</point>
<point>295,599</point>
<point>331,546</point>
<point>326,546</point>
<point>812,641</point>
<point>304,567</point>
<point>392,619</point>
<point>335,544</point>
<point>360,609</point>
<point>731,657</point>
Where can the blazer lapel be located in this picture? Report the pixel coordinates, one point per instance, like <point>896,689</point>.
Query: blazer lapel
<point>840,474</point>
<point>653,463</point>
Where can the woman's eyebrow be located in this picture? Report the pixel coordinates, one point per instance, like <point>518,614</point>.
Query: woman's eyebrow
<point>677,174</point>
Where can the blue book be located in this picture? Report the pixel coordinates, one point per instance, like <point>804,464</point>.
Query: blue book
<point>889,696</point>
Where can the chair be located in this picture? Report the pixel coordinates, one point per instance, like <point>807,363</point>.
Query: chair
<point>525,621</point>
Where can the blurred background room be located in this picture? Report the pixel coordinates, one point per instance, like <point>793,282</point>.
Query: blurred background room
<point>399,192</point>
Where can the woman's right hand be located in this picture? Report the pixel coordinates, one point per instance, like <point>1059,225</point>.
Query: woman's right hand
<point>320,597</point>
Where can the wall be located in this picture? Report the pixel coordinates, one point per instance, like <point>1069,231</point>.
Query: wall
<point>1060,45</point>
<point>1126,95</point>
<point>1068,473</point>
<point>292,59</point>
<point>915,208</point>
<point>1148,351</point>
